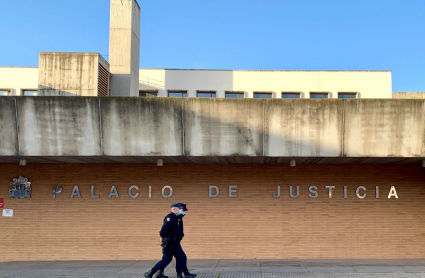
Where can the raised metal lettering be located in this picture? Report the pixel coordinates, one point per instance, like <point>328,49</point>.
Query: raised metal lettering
<point>233,189</point>
<point>358,194</point>
<point>170,194</point>
<point>57,189</point>
<point>313,189</point>
<point>330,190</point>
<point>210,191</point>
<point>113,192</point>
<point>92,194</point>
<point>76,192</point>
<point>278,192</point>
<point>298,192</point>
<point>393,193</point>
<point>131,194</point>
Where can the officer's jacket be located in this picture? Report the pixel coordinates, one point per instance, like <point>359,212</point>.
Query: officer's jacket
<point>173,226</point>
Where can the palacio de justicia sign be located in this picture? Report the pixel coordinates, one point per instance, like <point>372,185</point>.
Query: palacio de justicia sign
<point>21,188</point>
<point>214,191</point>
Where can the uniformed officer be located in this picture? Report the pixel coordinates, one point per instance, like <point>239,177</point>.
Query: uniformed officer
<point>171,234</point>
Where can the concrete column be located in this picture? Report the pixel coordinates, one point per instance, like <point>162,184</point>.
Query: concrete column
<point>191,93</point>
<point>249,94</point>
<point>124,47</point>
<point>162,93</point>
<point>277,94</point>
<point>220,94</point>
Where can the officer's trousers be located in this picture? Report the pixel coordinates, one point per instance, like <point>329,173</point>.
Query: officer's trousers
<point>172,249</point>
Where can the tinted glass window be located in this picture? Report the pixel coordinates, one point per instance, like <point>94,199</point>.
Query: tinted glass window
<point>29,92</point>
<point>4,93</point>
<point>290,95</point>
<point>318,95</point>
<point>347,95</point>
<point>177,94</point>
<point>148,93</point>
<point>262,95</point>
<point>206,94</point>
<point>234,95</point>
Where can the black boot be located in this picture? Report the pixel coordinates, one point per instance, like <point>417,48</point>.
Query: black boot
<point>179,275</point>
<point>187,274</point>
<point>149,274</point>
<point>160,274</point>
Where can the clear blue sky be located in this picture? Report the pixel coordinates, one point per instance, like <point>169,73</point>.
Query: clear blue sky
<point>232,34</point>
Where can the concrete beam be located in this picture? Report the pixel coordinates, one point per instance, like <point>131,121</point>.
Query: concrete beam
<point>192,127</point>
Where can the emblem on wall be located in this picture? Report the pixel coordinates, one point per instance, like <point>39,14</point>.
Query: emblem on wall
<point>20,188</point>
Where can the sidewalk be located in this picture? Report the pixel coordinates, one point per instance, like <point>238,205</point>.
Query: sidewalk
<point>221,268</point>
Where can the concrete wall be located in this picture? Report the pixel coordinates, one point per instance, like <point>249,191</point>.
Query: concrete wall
<point>126,127</point>
<point>409,95</point>
<point>124,47</point>
<point>69,74</point>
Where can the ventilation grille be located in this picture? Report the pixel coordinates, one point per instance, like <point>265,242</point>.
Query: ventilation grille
<point>103,86</point>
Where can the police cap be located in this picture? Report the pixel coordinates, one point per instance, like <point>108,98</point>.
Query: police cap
<point>179,205</point>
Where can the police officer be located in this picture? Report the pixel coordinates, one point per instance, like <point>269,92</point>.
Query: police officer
<point>171,234</point>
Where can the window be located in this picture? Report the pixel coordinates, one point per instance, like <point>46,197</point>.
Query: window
<point>29,92</point>
<point>235,94</point>
<point>206,94</point>
<point>319,95</point>
<point>262,95</point>
<point>4,92</point>
<point>291,95</point>
<point>148,93</point>
<point>347,95</point>
<point>177,93</point>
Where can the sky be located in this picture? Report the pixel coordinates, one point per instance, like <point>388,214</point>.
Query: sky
<point>232,34</point>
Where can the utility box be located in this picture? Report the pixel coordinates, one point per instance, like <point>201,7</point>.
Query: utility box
<point>73,74</point>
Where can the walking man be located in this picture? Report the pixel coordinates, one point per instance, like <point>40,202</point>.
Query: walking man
<point>171,234</point>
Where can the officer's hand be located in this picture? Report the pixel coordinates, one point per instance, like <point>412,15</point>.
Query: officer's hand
<point>161,240</point>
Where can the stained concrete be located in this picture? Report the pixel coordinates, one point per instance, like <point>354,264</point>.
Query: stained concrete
<point>141,126</point>
<point>58,126</point>
<point>223,127</point>
<point>194,130</point>
<point>9,133</point>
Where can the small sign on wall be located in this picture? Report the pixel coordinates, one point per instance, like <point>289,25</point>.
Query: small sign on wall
<point>7,212</point>
<point>1,203</point>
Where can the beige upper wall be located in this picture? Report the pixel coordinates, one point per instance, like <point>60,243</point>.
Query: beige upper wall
<point>369,84</point>
<point>16,80</point>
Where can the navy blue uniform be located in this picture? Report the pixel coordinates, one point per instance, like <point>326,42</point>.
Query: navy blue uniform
<point>172,233</point>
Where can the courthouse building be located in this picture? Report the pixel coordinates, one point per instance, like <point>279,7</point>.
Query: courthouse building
<point>271,164</point>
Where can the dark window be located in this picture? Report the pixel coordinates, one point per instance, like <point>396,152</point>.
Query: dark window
<point>347,95</point>
<point>206,94</point>
<point>319,95</point>
<point>262,95</point>
<point>290,95</point>
<point>148,93</point>
<point>177,93</point>
<point>235,95</point>
<point>29,92</point>
<point>4,92</point>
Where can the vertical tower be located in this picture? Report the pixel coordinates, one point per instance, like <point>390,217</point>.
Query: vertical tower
<point>124,47</point>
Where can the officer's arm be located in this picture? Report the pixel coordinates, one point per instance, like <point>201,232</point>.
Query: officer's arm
<point>165,228</point>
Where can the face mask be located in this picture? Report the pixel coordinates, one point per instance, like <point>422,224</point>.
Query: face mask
<point>181,212</point>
